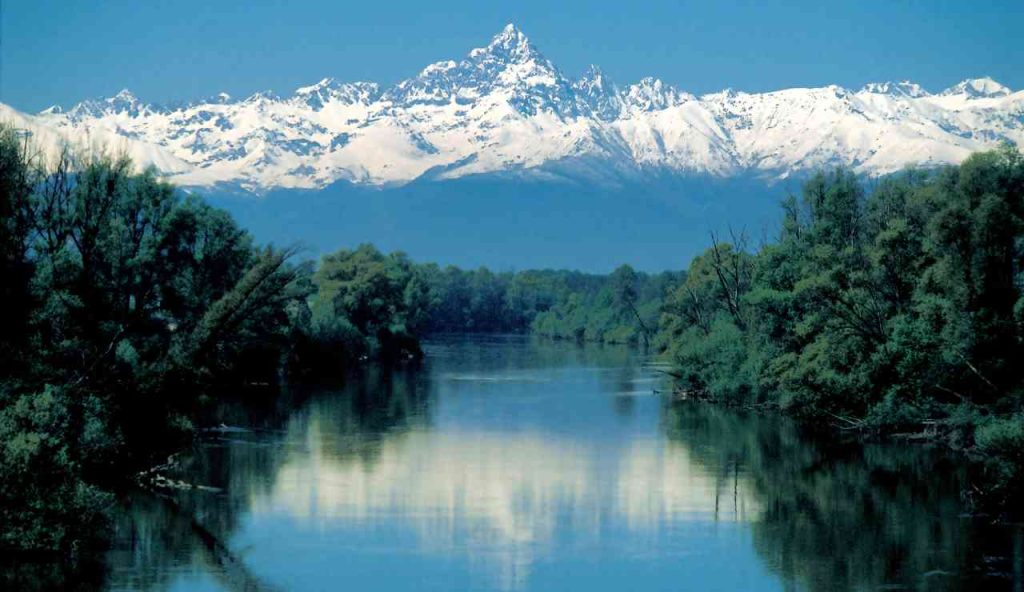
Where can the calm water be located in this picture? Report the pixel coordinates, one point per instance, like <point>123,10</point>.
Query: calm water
<point>518,464</point>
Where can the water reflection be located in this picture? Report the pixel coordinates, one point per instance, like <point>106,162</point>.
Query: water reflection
<point>504,494</point>
<point>844,516</point>
<point>513,464</point>
<point>499,495</point>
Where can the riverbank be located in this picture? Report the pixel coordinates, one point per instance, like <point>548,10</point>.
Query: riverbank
<point>894,309</point>
<point>996,482</point>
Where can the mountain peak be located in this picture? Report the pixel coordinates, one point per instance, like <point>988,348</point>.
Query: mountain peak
<point>594,81</point>
<point>123,102</point>
<point>984,87</point>
<point>903,88</point>
<point>328,89</point>
<point>651,94</point>
<point>263,95</point>
<point>509,45</point>
<point>599,94</point>
<point>510,35</point>
<point>594,75</point>
<point>509,66</point>
<point>124,95</point>
<point>324,83</point>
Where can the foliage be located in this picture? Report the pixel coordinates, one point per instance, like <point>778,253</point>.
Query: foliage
<point>43,506</point>
<point>1001,441</point>
<point>892,310</point>
<point>620,308</point>
<point>483,301</point>
<point>124,303</point>
<point>369,302</point>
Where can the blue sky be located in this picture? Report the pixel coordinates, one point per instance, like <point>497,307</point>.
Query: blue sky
<point>62,52</point>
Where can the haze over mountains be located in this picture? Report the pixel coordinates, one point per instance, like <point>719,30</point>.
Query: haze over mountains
<point>506,110</point>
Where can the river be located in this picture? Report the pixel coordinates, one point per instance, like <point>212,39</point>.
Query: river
<point>513,463</point>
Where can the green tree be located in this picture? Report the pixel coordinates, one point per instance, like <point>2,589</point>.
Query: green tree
<point>127,304</point>
<point>17,180</point>
<point>369,291</point>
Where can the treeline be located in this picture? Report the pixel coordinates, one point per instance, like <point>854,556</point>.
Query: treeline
<point>622,307</point>
<point>894,310</point>
<point>368,302</point>
<point>482,301</point>
<point>619,308</point>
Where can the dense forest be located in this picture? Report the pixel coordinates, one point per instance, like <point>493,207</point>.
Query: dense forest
<point>128,306</point>
<point>897,310</point>
<point>622,307</point>
<point>388,302</point>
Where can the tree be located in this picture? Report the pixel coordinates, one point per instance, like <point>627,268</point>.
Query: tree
<point>878,310</point>
<point>623,281</point>
<point>17,180</point>
<point>124,304</point>
<point>370,292</point>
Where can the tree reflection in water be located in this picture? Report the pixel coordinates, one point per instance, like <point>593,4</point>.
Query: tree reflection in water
<point>159,541</point>
<point>847,516</point>
<point>503,457</point>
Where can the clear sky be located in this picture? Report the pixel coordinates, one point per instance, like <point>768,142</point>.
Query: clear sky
<point>63,51</point>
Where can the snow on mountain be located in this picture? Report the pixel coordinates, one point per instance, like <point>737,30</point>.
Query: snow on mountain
<point>506,108</point>
<point>597,95</point>
<point>904,88</point>
<point>977,87</point>
<point>50,140</point>
<point>651,94</point>
<point>329,90</point>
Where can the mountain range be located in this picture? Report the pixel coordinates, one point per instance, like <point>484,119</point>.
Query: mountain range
<point>506,110</point>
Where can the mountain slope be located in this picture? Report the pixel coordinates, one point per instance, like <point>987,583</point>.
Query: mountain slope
<point>507,109</point>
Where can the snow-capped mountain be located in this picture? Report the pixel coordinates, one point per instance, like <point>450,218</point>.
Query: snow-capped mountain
<point>505,108</point>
